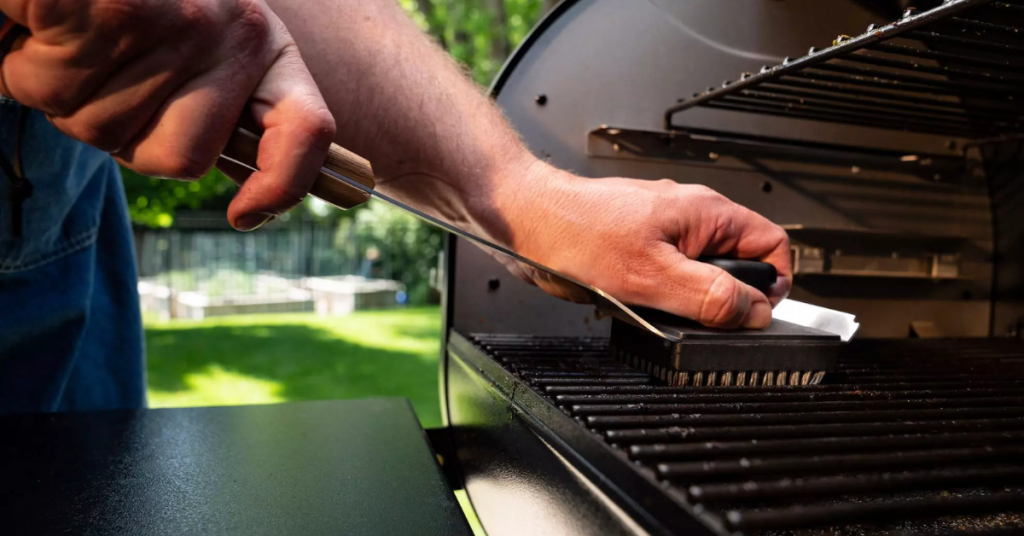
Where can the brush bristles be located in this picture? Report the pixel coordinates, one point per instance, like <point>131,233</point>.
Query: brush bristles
<point>739,378</point>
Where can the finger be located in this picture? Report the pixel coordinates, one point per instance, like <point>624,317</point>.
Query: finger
<point>758,238</point>
<point>744,234</point>
<point>297,132</point>
<point>704,293</point>
<point>126,103</point>
<point>55,72</point>
<point>187,134</point>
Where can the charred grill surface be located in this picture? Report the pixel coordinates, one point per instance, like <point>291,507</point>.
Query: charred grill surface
<point>904,436</point>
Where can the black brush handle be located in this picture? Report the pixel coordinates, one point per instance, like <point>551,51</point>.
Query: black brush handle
<point>759,275</point>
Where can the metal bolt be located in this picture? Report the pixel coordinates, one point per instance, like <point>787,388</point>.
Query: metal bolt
<point>713,156</point>
<point>616,147</point>
<point>855,170</point>
<point>541,99</point>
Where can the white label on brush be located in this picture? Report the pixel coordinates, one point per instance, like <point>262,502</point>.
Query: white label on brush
<point>812,316</point>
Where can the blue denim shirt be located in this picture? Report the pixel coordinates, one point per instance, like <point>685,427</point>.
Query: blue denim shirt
<point>70,327</point>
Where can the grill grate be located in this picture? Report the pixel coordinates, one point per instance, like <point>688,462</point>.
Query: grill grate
<point>906,436</point>
<point>953,70</point>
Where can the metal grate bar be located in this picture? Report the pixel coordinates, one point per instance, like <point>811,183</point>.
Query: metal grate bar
<point>691,434</point>
<point>824,417</point>
<point>818,488</point>
<point>957,65</point>
<point>894,386</point>
<point>814,396</point>
<point>947,58</point>
<point>816,516</point>
<point>742,469</point>
<point>787,407</point>
<point>824,445</point>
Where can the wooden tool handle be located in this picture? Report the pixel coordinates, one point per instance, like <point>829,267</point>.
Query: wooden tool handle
<point>243,147</point>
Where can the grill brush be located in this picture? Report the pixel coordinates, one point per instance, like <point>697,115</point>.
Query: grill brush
<point>784,353</point>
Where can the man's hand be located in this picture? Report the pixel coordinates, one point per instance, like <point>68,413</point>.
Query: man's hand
<point>637,240</point>
<point>161,84</point>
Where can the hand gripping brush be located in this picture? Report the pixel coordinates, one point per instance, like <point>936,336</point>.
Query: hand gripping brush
<point>676,350</point>
<point>688,354</point>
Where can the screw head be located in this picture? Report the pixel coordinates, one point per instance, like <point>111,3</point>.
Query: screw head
<point>541,99</point>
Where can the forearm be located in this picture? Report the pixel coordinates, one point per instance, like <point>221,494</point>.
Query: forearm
<point>434,139</point>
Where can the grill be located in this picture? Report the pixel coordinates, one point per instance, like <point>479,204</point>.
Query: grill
<point>892,158</point>
<point>905,436</point>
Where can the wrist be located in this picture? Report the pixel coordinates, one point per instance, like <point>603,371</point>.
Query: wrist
<point>530,198</point>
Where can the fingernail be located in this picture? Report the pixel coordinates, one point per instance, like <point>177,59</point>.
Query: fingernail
<point>251,222</point>
<point>760,316</point>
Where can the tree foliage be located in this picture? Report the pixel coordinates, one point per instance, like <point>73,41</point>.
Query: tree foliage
<point>479,34</point>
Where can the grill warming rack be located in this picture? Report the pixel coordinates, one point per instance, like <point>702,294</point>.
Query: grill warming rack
<point>955,70</point>
<point>905,436</point>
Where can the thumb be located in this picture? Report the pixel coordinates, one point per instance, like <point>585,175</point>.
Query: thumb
<point>708,294</point>
<point>297,132</point>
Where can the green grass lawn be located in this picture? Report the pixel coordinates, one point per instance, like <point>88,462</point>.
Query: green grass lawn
<point>259,359</point>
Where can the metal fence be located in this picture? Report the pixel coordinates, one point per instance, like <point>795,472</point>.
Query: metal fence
<point>192,271</point>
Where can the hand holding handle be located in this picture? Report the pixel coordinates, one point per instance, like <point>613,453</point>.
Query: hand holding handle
<point>759,275</point>
<point>243,148</point>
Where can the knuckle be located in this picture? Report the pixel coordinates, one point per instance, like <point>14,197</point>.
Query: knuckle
<point>779,235</point>
<point>317,126</point>
<point>202,20</point>
<point>251,27</point>
<point>113,15</point>
<point>703,190</point>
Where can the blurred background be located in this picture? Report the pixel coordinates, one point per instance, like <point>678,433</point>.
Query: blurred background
<point>320,304</point>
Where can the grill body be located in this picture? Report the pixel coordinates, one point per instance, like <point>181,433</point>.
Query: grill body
<point>911,437</point>
<point>555,437</point>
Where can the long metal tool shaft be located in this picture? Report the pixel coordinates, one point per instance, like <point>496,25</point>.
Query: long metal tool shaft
<point>597,296</point>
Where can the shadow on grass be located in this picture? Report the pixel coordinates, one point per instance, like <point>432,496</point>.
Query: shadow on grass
<point>295,362</point>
